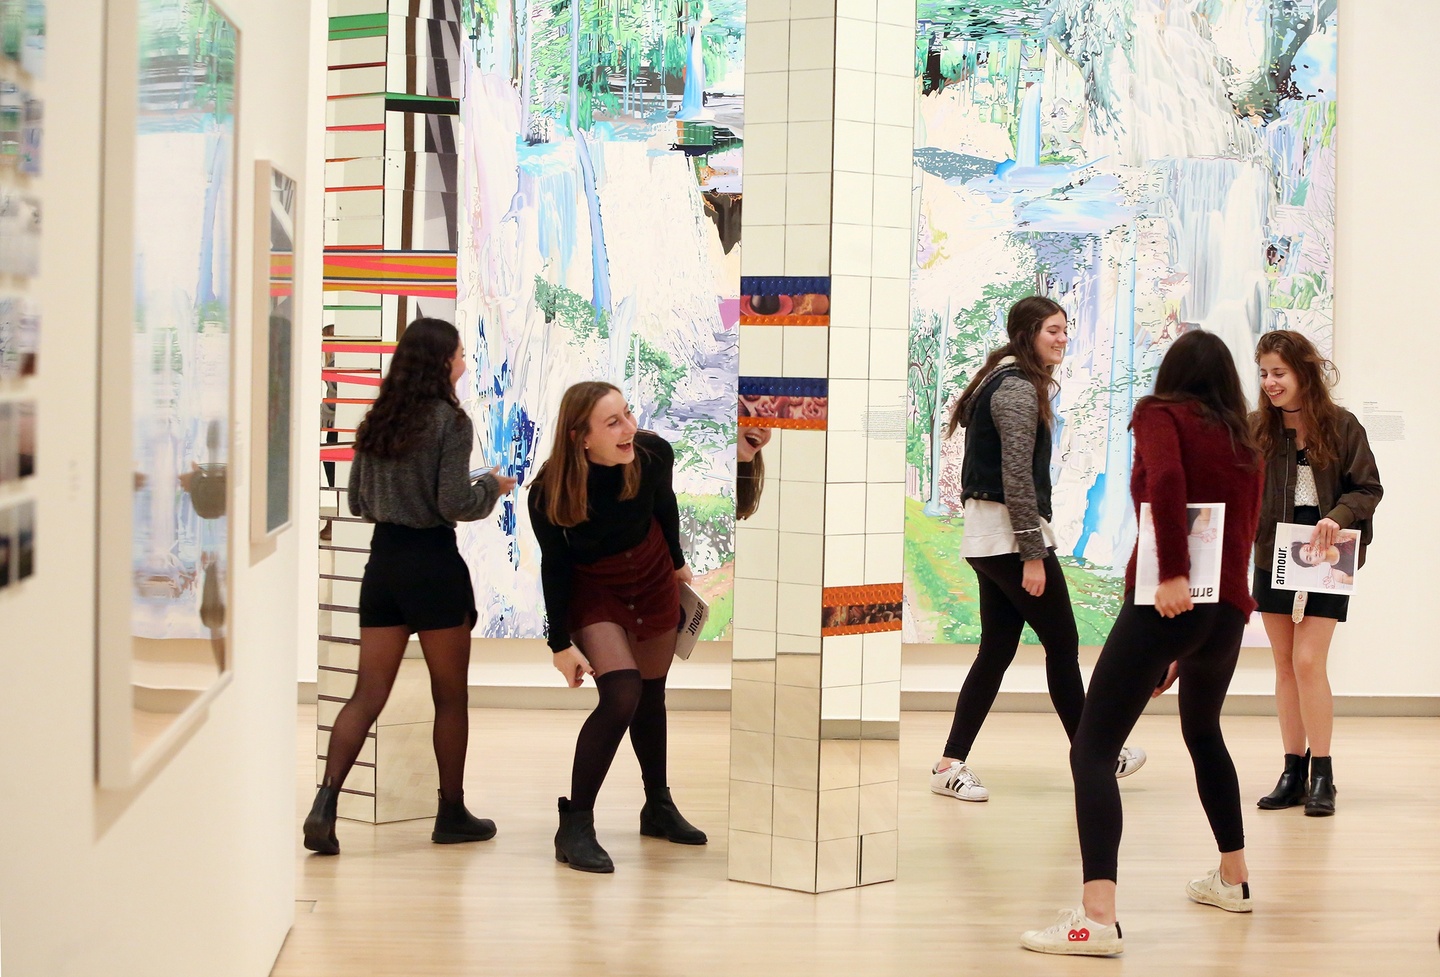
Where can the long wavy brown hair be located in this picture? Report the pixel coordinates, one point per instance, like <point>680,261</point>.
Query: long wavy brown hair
<point>749,484</point>
<point>1022,325</point>
<point>563,481</point>
<point>1199,370</point>
<point>419,372</point>
<point>1319,414</point>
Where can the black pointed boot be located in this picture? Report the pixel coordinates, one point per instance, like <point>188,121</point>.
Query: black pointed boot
<point>320,822</point>
<point>1290,788</point>
<point>660,818</point>
<point>576,844</point>
<point>1320,803</point>
<point>455,825</point>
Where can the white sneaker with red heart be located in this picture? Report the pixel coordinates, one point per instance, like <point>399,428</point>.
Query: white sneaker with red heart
<point>1075,933</point>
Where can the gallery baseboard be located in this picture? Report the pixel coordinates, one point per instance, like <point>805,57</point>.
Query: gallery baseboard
<point>718,700</point>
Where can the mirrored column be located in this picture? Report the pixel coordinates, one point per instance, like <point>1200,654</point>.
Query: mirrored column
<point>823,360</point>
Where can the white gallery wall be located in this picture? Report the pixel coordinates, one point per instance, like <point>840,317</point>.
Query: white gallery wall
<point>192,871</point>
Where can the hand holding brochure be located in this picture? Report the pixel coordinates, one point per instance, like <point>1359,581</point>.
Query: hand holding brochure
<point>694,612</point>
<point>1296,565</point>
<point>1207,532</point>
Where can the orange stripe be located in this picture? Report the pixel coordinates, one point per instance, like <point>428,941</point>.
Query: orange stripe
<point>784,320</point>
<point>885,593</point>
<point>782,422</point>
<point>896,625</point>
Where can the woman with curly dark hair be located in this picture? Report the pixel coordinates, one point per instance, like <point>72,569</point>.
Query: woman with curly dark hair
<point>1319,471</point>
<point>411,477</point>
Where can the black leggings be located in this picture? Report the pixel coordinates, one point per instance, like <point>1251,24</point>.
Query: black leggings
<point>1206,643</point>
<point>1005,609</point>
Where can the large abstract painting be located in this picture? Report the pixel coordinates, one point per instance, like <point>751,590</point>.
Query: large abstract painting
<point>599,230</point>
<point>1153,167</point>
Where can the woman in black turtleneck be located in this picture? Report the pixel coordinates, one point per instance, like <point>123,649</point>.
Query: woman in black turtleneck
<point>605,514</point>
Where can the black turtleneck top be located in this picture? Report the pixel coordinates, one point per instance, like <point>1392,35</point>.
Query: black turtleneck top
<point>611,527</point>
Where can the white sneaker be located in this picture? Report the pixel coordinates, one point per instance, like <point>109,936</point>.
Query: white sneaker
<point>958,780</point>
<point>1215,891</point>
<point>1073,933</point>
<point>1132,758</point>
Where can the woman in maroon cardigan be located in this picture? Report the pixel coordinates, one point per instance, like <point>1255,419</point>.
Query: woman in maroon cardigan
<point>1192,445</point>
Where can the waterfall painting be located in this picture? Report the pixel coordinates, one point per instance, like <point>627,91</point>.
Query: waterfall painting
<point>599,239</point>
<point>1153,166</point>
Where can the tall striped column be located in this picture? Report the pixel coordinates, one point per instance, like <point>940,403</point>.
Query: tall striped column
<point>823,357</point>
<point>391,163</point>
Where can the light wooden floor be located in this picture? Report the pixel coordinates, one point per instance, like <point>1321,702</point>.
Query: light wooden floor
<point>1355,894</point>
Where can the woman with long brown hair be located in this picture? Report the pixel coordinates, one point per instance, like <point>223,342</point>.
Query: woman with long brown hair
<point>604,511</point>
<point>1319,472</point>
<point>1192,446</point>
<point>411,478</point>
<point>1005,485</point>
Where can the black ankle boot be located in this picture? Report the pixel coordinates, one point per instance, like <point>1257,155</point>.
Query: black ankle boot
<point>1320,803</point>
<point>576,844</point>
<point>1290,788</point>
<point>320,822</point>
<point>660,818</point>
<point>454,824</point>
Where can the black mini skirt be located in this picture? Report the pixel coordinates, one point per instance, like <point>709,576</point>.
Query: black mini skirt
<point>416,579</point>
<point>1271,601</point>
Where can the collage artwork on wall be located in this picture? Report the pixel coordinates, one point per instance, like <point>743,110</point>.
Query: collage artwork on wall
<point>1152,170</point>
<point>22,114</point>
<point>600,240</point>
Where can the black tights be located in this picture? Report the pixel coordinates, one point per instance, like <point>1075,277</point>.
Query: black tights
<point>632,696</point>
<point>447,655</point>
<point>1206,643</point>
<point>1005,609</point>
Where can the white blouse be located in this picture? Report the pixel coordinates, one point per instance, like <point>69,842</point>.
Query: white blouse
<point>988,531</point>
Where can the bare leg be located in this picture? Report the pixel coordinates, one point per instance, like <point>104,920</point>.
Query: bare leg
<point>1099,900</point>
<point>381,650</point>
<point>1281,632</point>
<point>447,655</point>
<point>1311,655</point>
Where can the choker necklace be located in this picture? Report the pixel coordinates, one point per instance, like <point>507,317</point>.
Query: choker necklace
<point>1288,410</point>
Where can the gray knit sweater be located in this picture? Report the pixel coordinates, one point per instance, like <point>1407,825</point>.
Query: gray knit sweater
<point>1016,411</point>
<point>431,485</point>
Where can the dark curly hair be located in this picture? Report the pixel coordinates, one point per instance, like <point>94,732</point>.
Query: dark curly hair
<point>419,372</point>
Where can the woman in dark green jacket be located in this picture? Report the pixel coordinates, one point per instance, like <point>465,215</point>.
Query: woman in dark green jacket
<point>1319,472</point>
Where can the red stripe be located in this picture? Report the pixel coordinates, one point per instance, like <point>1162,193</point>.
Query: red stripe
<point>340,376</point>
<point>337,454</point>
<point>352,189</point>
<point>371,127</point>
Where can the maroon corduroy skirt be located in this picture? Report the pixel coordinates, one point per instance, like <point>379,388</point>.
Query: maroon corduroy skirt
<point>635,589</point>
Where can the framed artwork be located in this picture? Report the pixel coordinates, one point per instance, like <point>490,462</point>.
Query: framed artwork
<point>166,405</point>
<point>273,356</point>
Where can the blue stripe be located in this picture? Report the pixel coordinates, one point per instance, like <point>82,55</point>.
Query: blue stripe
<point>781,285</point>
<point>784,387</point>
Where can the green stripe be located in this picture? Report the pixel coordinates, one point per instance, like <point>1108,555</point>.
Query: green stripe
<point>356,21</point>
<point>420,99</point>
<point>345,35</point>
